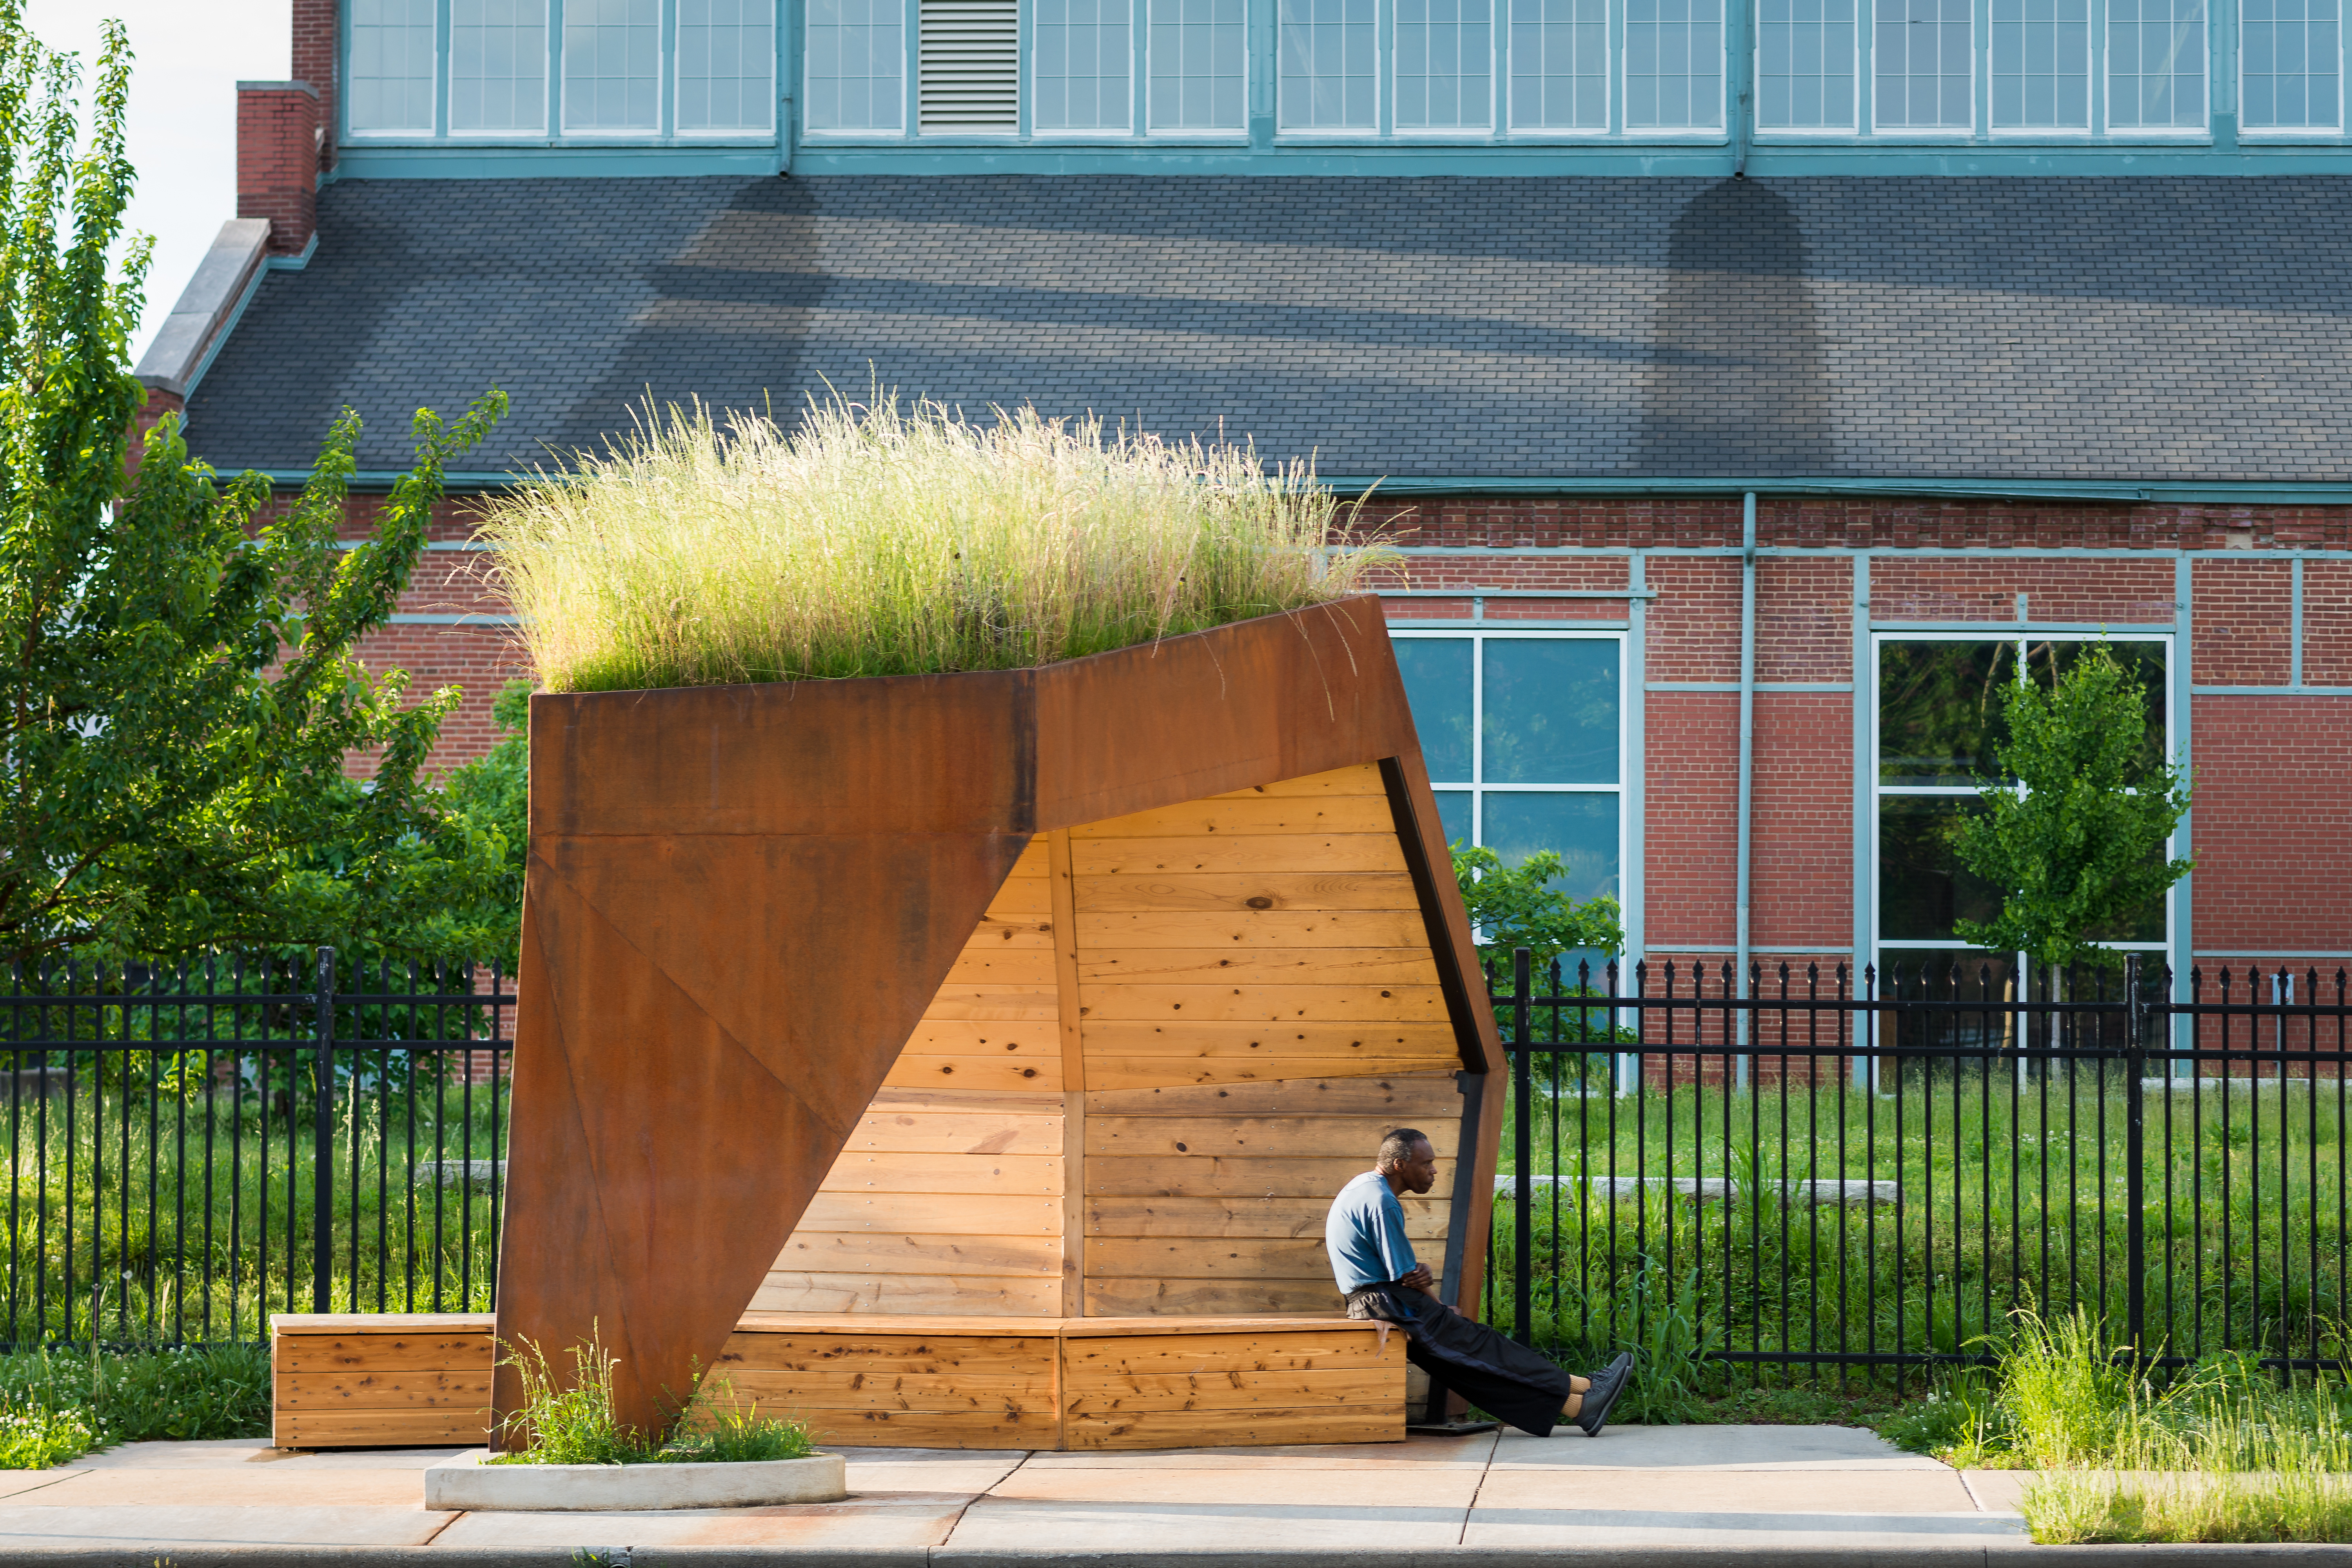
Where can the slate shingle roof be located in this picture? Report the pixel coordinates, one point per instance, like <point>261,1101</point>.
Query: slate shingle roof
<point>2125,328</point>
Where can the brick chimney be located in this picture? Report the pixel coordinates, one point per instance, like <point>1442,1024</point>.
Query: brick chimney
<point>278,152</point>
<point>314,62</point>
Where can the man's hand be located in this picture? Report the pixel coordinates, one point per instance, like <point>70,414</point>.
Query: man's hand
<point>1420,1279</point>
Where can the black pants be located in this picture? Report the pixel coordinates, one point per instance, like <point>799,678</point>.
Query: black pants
<point>1500,1378</point>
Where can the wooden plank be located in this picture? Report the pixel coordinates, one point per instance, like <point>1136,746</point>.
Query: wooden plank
<point>1285,1137</point>
<point>1031,865</point>
<point>1224,1428</point>
<point>1287,966</point>
<point>994,934</point>
<point>1008,1071</point>
<point>380,1429</point>
<point>1412,1097</point>
<point>359,1352</point>
<point>936,1428</point>
<point>1413,1048</point>
<point>1182,1176</point>
<point>875,1252</point>
<point>858,1171</point>
<point>1043,1328</point>
<point>1318,890</point>
<point>1207,1257</point>
<point>1175,1072</point>
<point>465,1390</point>
<point>380,1323</point>
<point>927,1132</point>
<point>935,1214</point>
<point>804,1394</point>
<point>1145,1298</point>
<point>1236,815</point>
<point>1362,1002</point>
<point>1028,1004</point>
<point>1424,1217</point>
<point>1361,778</point>
<point>1254,930</point>
<point>1093,1362</point>
<point>965,1103</point>
<point>1074,1075</point>
<point>1031,1037</point>
<point>1233,1391</point>
<point>794,1292</point>
<point>1021,897</point>
<point>1001,964</point>
<point>1259,852</point>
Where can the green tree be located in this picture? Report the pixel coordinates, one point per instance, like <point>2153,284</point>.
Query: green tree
<point>489,799</point>
<point>178,682</point>
<point>1518,905</point>
<point>2080,848</point>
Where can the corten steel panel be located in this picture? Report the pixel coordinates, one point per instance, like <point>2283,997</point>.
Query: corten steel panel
<point>741,899</point>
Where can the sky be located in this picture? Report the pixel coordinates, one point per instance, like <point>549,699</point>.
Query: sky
<point>190,56</point>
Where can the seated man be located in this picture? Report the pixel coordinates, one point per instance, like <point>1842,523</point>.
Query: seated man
<point>1383,1282</point>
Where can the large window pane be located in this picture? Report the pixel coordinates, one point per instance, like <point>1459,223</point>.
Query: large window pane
<point>1939,711</point>
<point>498,65</point>
<point>2156,64</point>
<point>1329,66</point>
<point>1922,886</point>
<point>2287,53</point>
<point>1200,65</point>
<point>1922,66</point>
<point>392,45</point>
<point>1454,814</point>
<point>1805,65</point>
<point>1559,65</point>
<point>1551,711</point>
<point>1079,64</point>
<point>2144,662</point>
<point>856,53</point>
<point>1673,65</point>
<point>1437,684</point>
<point>612,65</point>
<point>2042,65</point>
<point>1444,65</point>
<point>1581,829</point>
<point>724,55</point>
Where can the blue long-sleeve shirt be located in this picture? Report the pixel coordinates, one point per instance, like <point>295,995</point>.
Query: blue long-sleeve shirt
<point>1365,1234</point>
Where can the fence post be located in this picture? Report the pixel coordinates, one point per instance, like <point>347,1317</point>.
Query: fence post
<point>1523,1154</point>
<point>322,1135</point>
<point>2135,1221</point>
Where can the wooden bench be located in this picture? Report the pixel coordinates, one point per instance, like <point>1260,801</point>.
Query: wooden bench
<point>882,1381</point>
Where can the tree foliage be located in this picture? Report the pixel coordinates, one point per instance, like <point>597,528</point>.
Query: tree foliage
<point>178,680</point>
<point>1518,905</point>
<point>2080,849</point>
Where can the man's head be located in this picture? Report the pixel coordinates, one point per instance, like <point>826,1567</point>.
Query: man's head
<point>1407,1160</point>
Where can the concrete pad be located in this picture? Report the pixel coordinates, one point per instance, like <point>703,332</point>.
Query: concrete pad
<point>1743,1532</point>
<point>15,1483</point>
<point>415,1459</point>
<point>878,1473</point>
<point>1356,1491</point>
<point>242,1488</point>
<point>1471,1453</point>
<point>1725,1493</point>
<point>1063,1529</point>
<point>210,1454</point>
<point>1996,1491</point>
<point>1711,1448</point>
<point>902,1526</point>
<point>156,1531</point>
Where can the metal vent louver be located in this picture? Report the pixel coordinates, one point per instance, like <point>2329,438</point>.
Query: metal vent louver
<point>971,64</point>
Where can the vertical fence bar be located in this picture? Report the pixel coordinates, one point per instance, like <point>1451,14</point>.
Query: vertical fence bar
<point>1523,1154</point>
<point>322,1133</point>
<point>2135,1173</point>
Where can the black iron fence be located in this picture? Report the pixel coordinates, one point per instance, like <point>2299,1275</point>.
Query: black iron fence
<point>194,1146</point>
<point>1823,1172</point>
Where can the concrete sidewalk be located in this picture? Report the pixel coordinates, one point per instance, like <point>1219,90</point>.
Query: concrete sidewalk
<point>1658,1495</point>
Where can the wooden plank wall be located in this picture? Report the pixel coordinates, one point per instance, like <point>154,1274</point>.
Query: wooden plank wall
<point>949,1197</point>
<point>1144,1105</point>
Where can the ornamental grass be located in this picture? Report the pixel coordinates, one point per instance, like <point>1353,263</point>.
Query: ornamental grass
<point>890,539</point>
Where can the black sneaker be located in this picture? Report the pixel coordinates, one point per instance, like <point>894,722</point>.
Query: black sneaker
<point>1607,1384</point>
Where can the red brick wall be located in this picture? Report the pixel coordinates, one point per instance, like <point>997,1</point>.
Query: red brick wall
<point>278,161</point>
<point>2272,824</point>
<point>314,62</point>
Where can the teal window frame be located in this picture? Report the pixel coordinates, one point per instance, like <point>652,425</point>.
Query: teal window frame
<point>2019,638</point>
<point>551,131</point>
<point>1480,788</point>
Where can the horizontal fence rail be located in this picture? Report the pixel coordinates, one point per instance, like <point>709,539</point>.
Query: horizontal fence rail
<point>195,1145</point>
<point>1819,1171</point>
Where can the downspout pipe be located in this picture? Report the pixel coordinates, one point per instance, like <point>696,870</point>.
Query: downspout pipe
<point>1747,754</point>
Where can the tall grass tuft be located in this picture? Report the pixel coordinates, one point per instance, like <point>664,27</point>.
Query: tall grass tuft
<point>899,540</point>
<point>571,1421</point>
